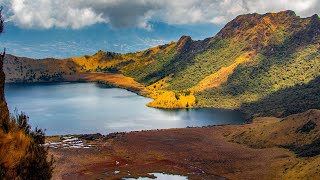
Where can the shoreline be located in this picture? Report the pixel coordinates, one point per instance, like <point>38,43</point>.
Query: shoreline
<point>138,92</point>
<point>146,130</point>
<point>161,98</point>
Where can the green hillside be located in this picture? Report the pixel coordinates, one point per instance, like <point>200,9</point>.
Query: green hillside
<point>285,53</point>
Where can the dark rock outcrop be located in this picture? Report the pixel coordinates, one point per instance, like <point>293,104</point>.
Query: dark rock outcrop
<point>184,44</point>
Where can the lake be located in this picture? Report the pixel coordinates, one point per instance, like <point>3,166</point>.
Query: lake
<point>80,108</point>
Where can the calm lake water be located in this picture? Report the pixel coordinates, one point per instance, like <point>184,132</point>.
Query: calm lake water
<point>78,108</point>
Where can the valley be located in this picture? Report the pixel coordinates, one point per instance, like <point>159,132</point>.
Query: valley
<point>264,65</point>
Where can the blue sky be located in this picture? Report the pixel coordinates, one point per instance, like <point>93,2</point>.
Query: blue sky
<point>64,28</point>
<point>67,42</point>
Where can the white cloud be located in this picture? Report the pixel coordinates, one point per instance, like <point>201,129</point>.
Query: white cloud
<point>51,13</point>
<point>218,20</point>
<point>137,13</point>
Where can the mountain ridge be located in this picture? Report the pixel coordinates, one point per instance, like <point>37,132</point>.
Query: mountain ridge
<point>243,63</point>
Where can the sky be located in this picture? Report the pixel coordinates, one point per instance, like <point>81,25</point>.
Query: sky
<point>63,28</point>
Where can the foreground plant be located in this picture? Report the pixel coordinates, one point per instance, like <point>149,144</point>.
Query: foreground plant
<point>22,155</point>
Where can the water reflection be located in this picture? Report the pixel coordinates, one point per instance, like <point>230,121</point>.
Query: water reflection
<point>161,176</point>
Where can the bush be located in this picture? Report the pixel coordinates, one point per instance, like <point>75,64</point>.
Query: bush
<point>22,154</point>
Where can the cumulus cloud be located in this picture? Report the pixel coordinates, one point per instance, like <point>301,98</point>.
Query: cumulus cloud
<point>138,13</point>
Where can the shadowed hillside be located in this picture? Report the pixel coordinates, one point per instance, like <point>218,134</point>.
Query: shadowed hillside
<point>291,100</point>
<point>20,69</point>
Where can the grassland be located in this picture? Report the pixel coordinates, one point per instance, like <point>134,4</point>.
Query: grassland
<point>259,150</point>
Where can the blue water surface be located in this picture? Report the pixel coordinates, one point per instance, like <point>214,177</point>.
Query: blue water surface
<point>79,108</point>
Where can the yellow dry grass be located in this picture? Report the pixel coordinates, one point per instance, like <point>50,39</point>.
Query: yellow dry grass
<point>305,168</point>
<point>98,60</point>
<point>157,49</point>
<point>269,132</point>
<point>268,21</point>
<point>161,84</point>
<point>13,146</point>
<point>221,76</point>
<point>117,80</point>
<point>170,99</point>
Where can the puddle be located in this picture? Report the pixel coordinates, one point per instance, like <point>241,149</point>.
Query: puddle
<point>68,142</point>
<point>161,176</point>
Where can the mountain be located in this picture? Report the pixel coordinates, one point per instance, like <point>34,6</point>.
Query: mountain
<point>255,60</point>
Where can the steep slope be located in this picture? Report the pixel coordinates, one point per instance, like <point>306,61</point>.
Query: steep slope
<point>287,54</point>
<point>287,101</point>
<point>251,58</point>
<point>221,76</point>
